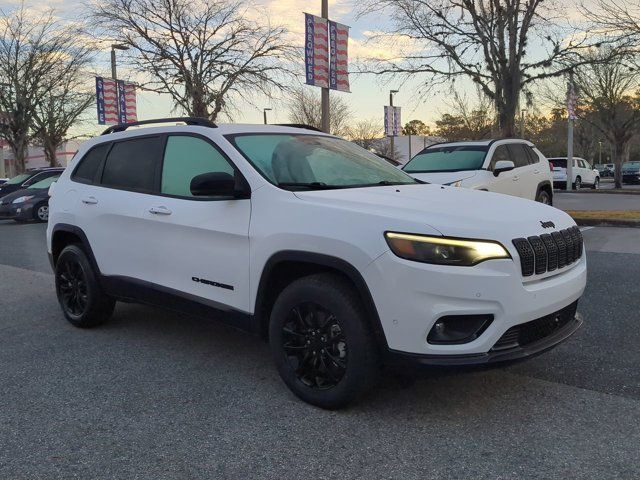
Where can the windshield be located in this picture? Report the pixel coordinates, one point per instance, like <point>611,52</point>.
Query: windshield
<point>316,162</point>
<point>18,179</point>
<point>46,183</point>
<point>448,159</point>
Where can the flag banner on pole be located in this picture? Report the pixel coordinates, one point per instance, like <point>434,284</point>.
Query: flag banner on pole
<point>388,121</point>
<point>397,122</point>
<point>130,102</point>
<point>109,102</point>
<point>316,51</point>
<point>122,103</point>
<point>339,64</point>
<point>100,100</point>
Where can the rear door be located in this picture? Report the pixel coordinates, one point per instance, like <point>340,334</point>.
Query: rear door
<point>198,246</point>
<point>110,207</point>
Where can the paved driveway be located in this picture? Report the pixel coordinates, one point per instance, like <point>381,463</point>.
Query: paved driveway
<point>154,395</point>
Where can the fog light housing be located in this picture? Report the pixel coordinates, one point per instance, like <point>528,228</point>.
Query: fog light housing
<point>458,329</point>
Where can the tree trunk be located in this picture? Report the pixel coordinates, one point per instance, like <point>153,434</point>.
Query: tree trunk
<point>50,152</point>
<point>19,155</point>
<point>619,148</point>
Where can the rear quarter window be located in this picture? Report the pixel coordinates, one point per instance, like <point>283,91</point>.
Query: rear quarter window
<point>87,169</point>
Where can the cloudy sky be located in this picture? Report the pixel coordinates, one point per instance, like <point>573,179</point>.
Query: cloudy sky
<point>369,93</point>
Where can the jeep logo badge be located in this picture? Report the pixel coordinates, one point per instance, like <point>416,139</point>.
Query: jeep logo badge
<point>547,224</point>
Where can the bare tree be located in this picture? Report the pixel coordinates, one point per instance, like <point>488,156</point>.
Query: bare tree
<point>365,133</point>
<point>486,41</point>
<point>59,109</point>
<point>200,52</point>
<point>618,18</point>
<point>305,107</point>
<point>610,90</point>
<point>36,56</point>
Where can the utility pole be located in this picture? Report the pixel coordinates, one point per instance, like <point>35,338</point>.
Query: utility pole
<point>600,153</point>
<point>393,115</point>
<point>571,114</point>
<point>264,112</point>
<point>114,73</point>
<point>326,120</point>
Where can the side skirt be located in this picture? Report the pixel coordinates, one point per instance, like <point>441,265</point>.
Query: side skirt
<point>139,291</point>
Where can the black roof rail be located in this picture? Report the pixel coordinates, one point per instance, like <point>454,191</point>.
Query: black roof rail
<point>299,125</point>
<point>198,121</point>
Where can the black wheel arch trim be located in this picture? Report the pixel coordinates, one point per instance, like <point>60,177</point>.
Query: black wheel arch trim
<point>321,260</point>
<point>84,241</point>
<point>543,184</point>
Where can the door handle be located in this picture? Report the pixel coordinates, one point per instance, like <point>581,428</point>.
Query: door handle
<point>89,200</point>
<point>536,171</point>
<point>161,210</point>
<point>516,178</point>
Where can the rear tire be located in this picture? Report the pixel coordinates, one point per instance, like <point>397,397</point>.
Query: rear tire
<point>83,302</point>
<point>321,342</point>
<point>543,197</point>
<point>578,184</point>
<point>41,212</point>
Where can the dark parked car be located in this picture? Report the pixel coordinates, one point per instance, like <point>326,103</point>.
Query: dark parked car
<point>28,178</point>
<point>31,203</point>
<point>631,172</point>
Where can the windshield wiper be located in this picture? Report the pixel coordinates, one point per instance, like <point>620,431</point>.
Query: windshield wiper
<point>309,185</point>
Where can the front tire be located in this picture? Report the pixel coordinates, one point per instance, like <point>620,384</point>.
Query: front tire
<point>83,302</point>
<point>321,343</point>
<point>596,184</point>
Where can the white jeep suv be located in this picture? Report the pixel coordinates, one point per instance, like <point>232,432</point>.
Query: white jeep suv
<point>343,262</point>
<point>509,166</point>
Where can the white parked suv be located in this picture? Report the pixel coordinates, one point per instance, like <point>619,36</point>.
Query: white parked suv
<point>510,166</point>
<point>343,262</point>
<point>583,173</point>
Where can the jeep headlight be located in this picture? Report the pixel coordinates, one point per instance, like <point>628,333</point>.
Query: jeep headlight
<point>443,250</point>
<point>23,199</point>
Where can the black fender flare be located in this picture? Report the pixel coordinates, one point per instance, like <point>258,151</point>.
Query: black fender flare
<point>84,241</point>
<point>327,261</point>
<point>543,184</point>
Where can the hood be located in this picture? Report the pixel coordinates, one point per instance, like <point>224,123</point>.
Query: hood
<point>443,178</point>
<point>455,212</point>
<point>38,192</point>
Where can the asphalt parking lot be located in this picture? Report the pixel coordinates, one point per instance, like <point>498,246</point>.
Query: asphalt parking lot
<point>154,395</point>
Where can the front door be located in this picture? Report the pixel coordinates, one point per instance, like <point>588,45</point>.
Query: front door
<point>507,182</point>
<point>198,246</point>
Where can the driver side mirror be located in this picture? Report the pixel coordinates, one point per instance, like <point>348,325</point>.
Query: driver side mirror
<point>503,166</point>
<point>218,184</point>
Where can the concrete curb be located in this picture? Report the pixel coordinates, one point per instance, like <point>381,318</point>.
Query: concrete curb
<point>607,222</point>
<point>600,191</point>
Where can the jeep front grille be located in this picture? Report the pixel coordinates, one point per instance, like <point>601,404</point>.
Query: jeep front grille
<point>548,252</point>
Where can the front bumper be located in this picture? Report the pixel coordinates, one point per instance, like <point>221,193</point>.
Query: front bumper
<point>410,297</point>
<point>22,211</point>
<point>515,353</point>
<point>631,178</point>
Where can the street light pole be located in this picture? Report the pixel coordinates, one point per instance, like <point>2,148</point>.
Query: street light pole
<point>326,120</point>
<point>570,99</point>
<point>114,73</point>
<point>393,114</point>
<point>600,154</point>
<point>264,112</point>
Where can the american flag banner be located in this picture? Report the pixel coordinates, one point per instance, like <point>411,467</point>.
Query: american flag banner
<point>316,51</point>
<point>122,103</point>
<point>107,101</point>
<point>339,65</point>
<point>131,113</point>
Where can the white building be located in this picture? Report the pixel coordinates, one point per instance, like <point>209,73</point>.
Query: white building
<point>36,157</point>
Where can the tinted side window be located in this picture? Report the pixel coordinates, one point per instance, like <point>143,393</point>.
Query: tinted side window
<point>187,157</point>
<point>519,155</point>
<point>533,156</point>
<point>500,153</point>
<point>89,164</point>
<point>132,164</point>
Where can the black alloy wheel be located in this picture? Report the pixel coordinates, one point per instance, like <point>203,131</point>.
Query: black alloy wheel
<point>315,346</point>
<point>72,287</point>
